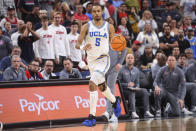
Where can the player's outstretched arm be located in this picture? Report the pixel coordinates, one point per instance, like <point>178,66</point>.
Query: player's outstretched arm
<point>82,35</point>
<point>111,31</point>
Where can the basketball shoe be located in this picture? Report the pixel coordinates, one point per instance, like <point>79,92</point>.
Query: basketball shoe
<point>116,107</point>
<point>90,121</point>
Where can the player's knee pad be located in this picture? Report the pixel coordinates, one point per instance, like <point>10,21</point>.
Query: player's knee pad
<point>97,78</point>
<point>102,86</point>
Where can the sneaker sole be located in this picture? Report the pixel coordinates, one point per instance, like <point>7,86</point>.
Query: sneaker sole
<point>105,119</point>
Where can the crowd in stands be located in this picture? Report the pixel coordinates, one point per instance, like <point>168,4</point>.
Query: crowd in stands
<point>38,38</point>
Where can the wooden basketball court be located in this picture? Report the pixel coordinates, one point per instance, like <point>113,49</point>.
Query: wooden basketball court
<point>172,124</point>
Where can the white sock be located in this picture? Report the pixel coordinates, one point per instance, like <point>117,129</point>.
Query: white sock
<point>108,94</point>
<point>93,102</point>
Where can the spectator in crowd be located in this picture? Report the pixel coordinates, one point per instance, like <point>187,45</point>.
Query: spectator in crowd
<point>4,4</point>
<point>176,52</point>
<point>157,54</point>
<point>64,9</point>
<point>47,73</point>
<point>167,89</point>
<point>41,13</point>
<point>117,29</point>
<point>192,40</point>
<point>14,72</point>
<point>79,16</point>
<point>117,3</point>
<point>146,58</point>
<point>69,72</point>
<point>129,79</point>
<point>161,33</point>
<point>69,18</point>
<point>191,83</point>
<point>111,9</point>
<point>56,8</point>
<point>46,48</point>
<point>46,5</point>
<point>191,73</point>
<point>170,10</point>
<point>162,3</point>
<point>20,29</point>
<point>148,37</point>
<point>189,55</point>
<point>188,8</point>
<point>122,12</point>
<point>75,54</point>
<point>147,18</point>
<point>5,45</point>
<point>168,19</point>
<point>187,23</point>
<point>136,53</point>
<point>7,29</point>
<point>10,17</point>
<point>123,28</point>
<point>73,4</point>
<point>61,40</point>
<point>133,20</point>
<point>6,61</point>
<point>33,17</point>
<point>89,7</point>
<point>182,62</point>
<point>161,61</point>
<point>175,13</point>
<point>33,71</point>
<point>133,3</point>
<point>173,26</point>
<point>26,7</point>
<point>25,41</point>
<point>145,6</point>
<point>190,87</point>
<point>84,69</point>
<point>182,43</point>
<point>167,42</point>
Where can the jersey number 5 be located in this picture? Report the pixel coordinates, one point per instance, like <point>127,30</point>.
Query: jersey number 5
<point>98,41</point>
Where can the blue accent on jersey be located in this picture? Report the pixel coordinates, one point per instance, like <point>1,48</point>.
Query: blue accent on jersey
<point>98,34</point>
<point>98,41</point>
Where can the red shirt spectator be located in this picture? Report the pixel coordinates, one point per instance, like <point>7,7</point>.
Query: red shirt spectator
<point>79,16</point>
<point>110,7</point>
<point>122,12</point>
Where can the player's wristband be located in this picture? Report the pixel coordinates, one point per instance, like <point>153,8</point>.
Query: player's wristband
<point>81,47</point>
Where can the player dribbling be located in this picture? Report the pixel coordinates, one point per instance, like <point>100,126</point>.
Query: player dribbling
<point>97,34</point>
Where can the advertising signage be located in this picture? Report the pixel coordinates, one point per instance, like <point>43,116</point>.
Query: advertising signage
<point>29,104</point>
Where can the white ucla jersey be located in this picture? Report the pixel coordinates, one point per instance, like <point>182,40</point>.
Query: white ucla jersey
<point>98,37</point>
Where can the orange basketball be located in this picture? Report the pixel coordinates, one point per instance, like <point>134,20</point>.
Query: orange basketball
<point>118,43</point>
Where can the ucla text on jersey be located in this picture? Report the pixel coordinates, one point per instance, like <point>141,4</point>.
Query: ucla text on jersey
<point>98,34</point>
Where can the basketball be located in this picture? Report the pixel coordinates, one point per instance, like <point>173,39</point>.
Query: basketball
<point>118,43</point>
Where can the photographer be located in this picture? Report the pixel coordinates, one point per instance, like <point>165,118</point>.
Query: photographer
<point>69,72</point>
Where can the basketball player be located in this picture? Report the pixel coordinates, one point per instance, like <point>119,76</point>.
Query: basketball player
<point>98,34</point>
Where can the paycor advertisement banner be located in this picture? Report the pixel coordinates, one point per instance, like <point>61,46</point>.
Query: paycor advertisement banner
<point>30,104</point>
